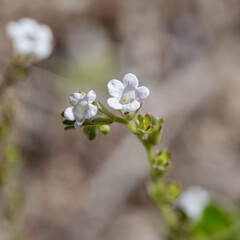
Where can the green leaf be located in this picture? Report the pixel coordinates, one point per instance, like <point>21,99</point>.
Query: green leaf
<point>69,127</point>
<point>104,129</point>
<point>68,122</point>
<point>91,132</point>
<point>214,220</point>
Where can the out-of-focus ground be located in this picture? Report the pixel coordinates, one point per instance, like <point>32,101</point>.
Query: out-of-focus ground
<point>187,52</point>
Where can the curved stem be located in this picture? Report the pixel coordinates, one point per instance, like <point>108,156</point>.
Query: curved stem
<point>121,120</point>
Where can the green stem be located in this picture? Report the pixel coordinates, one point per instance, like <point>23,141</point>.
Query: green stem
<point>121,120</point>
<point>169,216</point>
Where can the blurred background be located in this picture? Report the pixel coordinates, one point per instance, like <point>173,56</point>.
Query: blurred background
<point>188,54</point>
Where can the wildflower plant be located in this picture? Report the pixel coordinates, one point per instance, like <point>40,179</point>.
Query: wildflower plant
<point>190,216</point>
<point>31,43</point>
<point>126,97</point>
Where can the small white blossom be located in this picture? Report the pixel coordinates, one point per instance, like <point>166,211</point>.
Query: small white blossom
<point>126,95</point>
<point>30,38</point>
<point>82,108</point>
<point>193,201</point>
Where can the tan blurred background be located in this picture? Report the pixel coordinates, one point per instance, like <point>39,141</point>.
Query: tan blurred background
<point>186,51</point>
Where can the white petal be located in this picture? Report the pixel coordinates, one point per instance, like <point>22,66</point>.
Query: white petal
<point>91,96</point>
<point>45,32</point>
<point>142,93</point>
<point>23,46</point>
<point>43,49</point>
<point>29,27</point>
<point>193,201</point>
<point>92,111</point>
<point>130,80</point>
<point>114,103</point>
<point>74,98</point>
<point>79,123</point>
<point>115,88</point>
<point>133,106</point>
<point>28,22</point>
<point>68,114</point>
<point>13,30</point>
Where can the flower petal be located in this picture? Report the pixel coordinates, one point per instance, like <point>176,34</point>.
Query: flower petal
<point>29,27</point>
<point>14,30</point>
<point>79,122</point>
<point>114,103</point>
<point>23,46</point>
<point>74,98</point>
<point>91,112</point>
<point>91,96</point>
<point>130,80</point>
<point>68,114</point>
<point>115,88</point>
<point>142,93</point>
<point>43,49</point>
<point>44,33</point>
<point>133,106</point>
<point>28,22</point>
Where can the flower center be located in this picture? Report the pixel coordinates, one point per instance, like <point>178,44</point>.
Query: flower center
<point>80,109</point>
<point>128,96</point>
<point>31,37</point>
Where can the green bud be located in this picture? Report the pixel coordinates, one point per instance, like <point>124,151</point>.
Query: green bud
<point>139,121</point>
<point>161,161</point>
<point>161,192</point>
<point>104,129</point>
<point>90,131</point>
<point>156,191</point>
<point>147,121</point>
<point>153,137</point>
<point>154,121</point>
<point>155,133</point>
<point>173,192</point>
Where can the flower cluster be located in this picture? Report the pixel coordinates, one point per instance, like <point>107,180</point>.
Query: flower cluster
<point>125,98</point>
<point>30,39</point>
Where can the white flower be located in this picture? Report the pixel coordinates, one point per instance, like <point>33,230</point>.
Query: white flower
<point>126,95</point>
<point>193,201</point>
<point>30,38</point>
<point>82,108</point>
